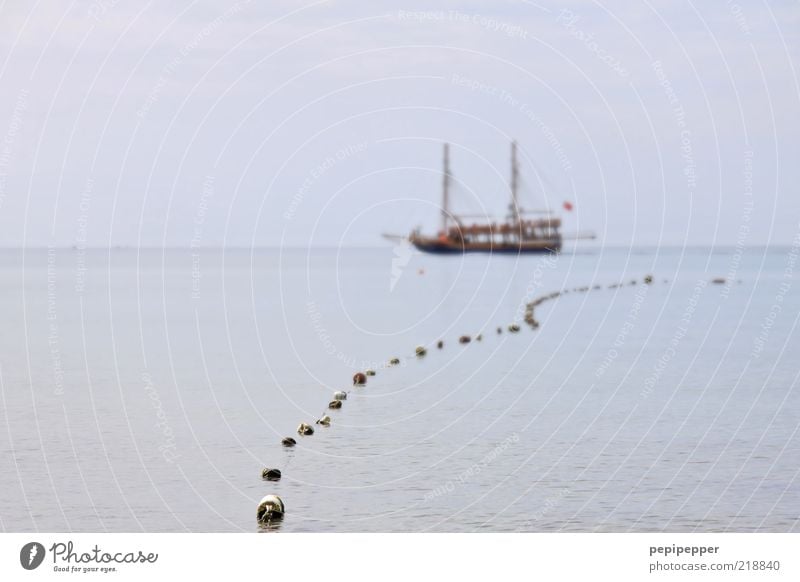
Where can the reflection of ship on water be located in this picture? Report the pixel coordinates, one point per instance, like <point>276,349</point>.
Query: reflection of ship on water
<point>515,235</point>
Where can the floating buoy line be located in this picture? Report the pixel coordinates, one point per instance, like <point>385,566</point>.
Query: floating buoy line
<point>271,508</point>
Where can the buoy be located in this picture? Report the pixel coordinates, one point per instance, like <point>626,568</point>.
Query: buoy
<point>340,395</point>
<point>269,508</point>
<point>499,330</point>
<point>648,279</point>
<point>513,328</point>
<point>440,344</point>
<point>271,474</point>
<point>288,442</point>
<point>326,420</point>
<point>394,361</point>
<point>421,351</point>
<point>370,372</point>
<point>335,404</point>
<point>479,337</point>
<point>359,378</point>
<point>305,429</point>
<point>464,339</point>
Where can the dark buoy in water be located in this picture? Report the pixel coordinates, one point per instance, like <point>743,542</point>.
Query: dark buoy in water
<point>513,328</point>
<point>499,330</point>
<point>269,508</point>
<point>394,361</point>
<point>464,339</point>
<point>340,395</point>
<point>648,279</point>
<point>370,372</point>
<point>479,337</point>
<point>440,344</point>
<point>305,429</point>
<point>325,420</point>
<point>288,442</point>
<point>359,378</point>
<point>335,404</point>
<point>271,474</point>
<point>420,351</point>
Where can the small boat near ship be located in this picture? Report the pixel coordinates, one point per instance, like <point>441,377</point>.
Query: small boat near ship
<point>515,235</point>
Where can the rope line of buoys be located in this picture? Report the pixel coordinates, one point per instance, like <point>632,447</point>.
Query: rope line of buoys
<point>271,507</point>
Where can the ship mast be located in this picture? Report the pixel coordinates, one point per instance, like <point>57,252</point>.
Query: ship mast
<point>446,188</point>
<point>514,208</point>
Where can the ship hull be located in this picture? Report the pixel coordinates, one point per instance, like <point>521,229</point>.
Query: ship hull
<point>439,247</point>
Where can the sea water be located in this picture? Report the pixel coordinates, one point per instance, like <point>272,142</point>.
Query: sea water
<point>145,390</point>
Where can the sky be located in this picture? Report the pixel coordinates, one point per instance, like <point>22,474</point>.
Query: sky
<point>207,124</point>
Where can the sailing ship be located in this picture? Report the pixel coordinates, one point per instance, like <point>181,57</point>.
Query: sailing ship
<point>514,235</point>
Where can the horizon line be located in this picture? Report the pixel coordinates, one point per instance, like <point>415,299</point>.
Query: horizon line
<point>387,245</point>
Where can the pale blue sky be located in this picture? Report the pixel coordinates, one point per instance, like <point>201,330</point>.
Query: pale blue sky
<point>210,123</point>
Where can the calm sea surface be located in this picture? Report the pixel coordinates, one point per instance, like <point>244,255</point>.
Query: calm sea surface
<point>145,391</point>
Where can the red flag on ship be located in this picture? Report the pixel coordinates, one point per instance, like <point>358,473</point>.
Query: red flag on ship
<point>568,206</point>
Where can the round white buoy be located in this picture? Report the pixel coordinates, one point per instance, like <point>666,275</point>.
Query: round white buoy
<point>269,508</point>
